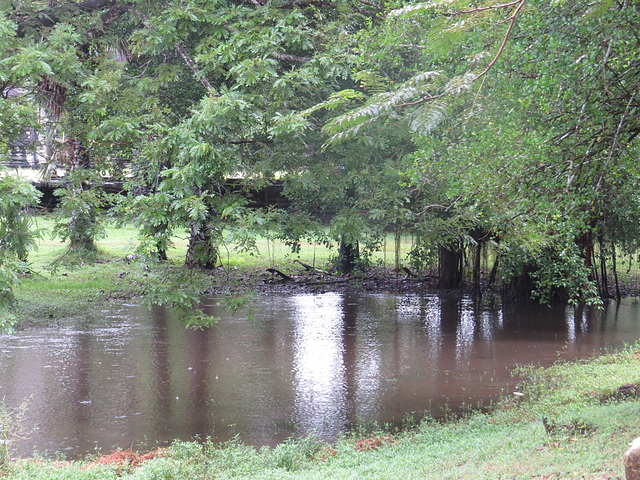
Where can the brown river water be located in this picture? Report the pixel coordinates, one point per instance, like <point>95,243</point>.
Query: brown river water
<point>126,376</point>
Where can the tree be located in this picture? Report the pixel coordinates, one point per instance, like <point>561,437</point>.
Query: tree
<point>528,117</point>
<point>17,236</point>
<point>259,64</point>
<point>511,126</point>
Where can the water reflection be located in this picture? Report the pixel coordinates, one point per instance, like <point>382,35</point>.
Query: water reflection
<point>308,363</point>
<point>319,363</point>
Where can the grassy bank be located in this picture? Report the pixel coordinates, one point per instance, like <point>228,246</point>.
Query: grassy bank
<point>572,421</point>
<point>61,284</point>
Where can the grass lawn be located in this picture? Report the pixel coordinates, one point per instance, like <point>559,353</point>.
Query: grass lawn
<point>120,241</point>
<point>62,284</point>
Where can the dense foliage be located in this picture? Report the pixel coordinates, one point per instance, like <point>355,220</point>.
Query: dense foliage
<point>506,131</point>
<point>17,236</point>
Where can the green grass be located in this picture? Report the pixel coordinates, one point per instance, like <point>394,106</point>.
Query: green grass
<point>62,284</point>
<point>587,432</point>
<point>120,241</point>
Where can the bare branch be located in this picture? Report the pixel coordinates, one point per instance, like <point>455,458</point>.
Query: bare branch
<point>435,205</point>
<point>506,37</point>
<point>192,65</point>
<point>185,56</point>
<point>483,9</point>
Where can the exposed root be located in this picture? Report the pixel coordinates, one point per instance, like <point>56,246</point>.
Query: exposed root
<point>625,392</point>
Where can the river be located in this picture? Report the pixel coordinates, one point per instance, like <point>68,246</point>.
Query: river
<point>125,376</point>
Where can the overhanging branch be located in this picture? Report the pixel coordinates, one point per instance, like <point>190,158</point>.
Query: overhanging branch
<point>50,16</point>
<point>511,19</point>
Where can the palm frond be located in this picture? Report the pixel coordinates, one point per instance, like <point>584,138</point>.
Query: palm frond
<point>431,114</point>
<point>382,104</point>
<point>426,6</point>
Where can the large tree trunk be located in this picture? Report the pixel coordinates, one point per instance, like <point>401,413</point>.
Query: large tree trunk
<point>348,256</point>
<point>615,270</point>
<point>604,280</point>
<point>161,241</point>
<point>519,288</point>
<point>82,223</point>
<point>480,236</point>
<point>80,226</point>
<point>450,272</point>
<point>202,251</point>
<point>477,290</point>
<point>585,244</point>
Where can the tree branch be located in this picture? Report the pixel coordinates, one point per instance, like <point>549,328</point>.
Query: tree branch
<point>422,100</point>
<point>512,21</point>
<point>185,56</point>
<point>435,205</point>
<point>615,141</point>
<point>290,58</point>
<point>108,18</point>
<point>192,65</point>
<point>49,16</point>
<point>483,9</point>
<point>506,37</point>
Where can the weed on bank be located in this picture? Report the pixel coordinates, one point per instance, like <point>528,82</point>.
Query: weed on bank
<point>573,420</point>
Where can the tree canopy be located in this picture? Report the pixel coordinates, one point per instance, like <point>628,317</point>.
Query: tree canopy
<point>476,126</point>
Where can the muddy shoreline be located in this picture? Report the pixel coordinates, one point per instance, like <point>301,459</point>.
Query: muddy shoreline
<point>372,280</point>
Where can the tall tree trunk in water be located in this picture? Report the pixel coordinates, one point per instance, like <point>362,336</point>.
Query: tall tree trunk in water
<point>476,270</point>
<point>348,256</point>
<point>615,270</point>
<point>585,244</point>
<point>494,271</point>
<point>496,263</point>
<point>595,270</point>
<point>480,236</point>
<point>450,275</point>
<point>604,292</point>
